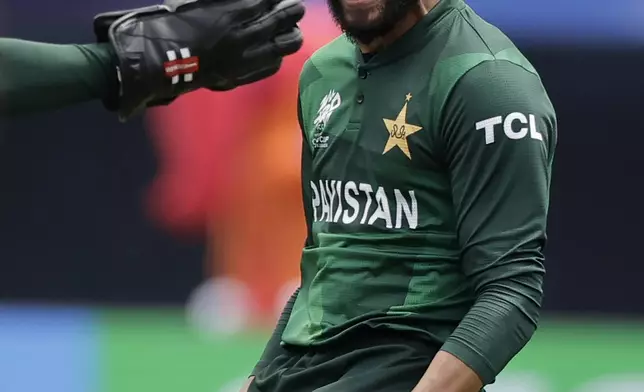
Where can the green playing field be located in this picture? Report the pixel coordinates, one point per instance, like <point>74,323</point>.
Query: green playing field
<point>158,351</point>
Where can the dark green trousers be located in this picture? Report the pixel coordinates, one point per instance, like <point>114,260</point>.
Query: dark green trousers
<point>363,361</point>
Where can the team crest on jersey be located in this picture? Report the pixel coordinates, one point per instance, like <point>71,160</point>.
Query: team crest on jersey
<point>399,130</point>
<point>329,104</point>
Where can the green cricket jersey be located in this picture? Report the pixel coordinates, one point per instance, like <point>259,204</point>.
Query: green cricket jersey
<point>426,173</point>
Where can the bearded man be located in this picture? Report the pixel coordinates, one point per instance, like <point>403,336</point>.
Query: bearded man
<point>428,143</point>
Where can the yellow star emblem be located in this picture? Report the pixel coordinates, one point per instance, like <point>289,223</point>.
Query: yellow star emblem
<point>399,130</point>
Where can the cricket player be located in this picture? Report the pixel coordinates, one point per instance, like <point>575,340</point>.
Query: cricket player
<point>428,143</point>
<point>149,56</point>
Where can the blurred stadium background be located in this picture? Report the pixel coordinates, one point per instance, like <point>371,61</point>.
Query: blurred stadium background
<point>155,255</point>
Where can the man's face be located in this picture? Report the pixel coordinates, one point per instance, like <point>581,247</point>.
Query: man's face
<point>366,20</point>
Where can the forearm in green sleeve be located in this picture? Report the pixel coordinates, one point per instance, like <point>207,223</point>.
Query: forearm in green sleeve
<point>497,327</point>
<point>500,135</point>
<point>274,346</point>
<point>39,76</point>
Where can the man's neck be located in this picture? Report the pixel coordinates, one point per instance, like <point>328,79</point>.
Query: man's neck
<point>405,24</point>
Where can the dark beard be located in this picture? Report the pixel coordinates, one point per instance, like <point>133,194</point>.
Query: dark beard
<point>390,13</point>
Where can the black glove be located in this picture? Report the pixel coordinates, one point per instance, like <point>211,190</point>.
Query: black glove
<point>168,50</point>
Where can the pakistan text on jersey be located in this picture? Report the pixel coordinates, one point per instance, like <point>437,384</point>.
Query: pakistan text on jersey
<point>358,203</point>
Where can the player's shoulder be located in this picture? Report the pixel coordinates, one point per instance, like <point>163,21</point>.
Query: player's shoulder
<point>338,53</point>
<point>468,33</point>
<point>477,54</point>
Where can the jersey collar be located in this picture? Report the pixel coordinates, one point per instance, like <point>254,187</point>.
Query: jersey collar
<point>415,38</point>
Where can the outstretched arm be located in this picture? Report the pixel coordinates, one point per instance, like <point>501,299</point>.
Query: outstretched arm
<point>150,56</point>
<point>38,76</point>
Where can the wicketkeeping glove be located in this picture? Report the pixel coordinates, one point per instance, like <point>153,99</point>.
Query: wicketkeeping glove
<point>167,50</point>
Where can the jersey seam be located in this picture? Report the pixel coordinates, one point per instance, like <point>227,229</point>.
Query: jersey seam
<point>518,65</point>
<point>451,91</point>
<point>313,57</point>
<point>478,34</point>
<point>310,83</point>
<point>491,52</point>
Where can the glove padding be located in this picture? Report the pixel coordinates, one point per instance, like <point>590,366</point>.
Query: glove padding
<point>168,50</point>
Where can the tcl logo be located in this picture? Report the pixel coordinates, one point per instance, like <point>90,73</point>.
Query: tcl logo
<point>515,126</point>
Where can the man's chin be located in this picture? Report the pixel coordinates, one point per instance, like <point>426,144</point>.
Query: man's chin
<point>366,33</point>
<point>362,36</point>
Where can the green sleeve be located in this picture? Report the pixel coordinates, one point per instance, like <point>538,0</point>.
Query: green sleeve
<point>38,76</point>
<point>499,133</point>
